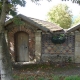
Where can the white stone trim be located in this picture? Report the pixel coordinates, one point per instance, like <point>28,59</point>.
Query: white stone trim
<point>77,47</point>
<point>38,45</point>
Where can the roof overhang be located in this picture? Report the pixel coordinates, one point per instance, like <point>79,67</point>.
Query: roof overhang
<point>74,28</point>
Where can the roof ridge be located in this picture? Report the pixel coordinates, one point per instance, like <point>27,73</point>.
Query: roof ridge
<point>42,20</point>
<point>41,24</point>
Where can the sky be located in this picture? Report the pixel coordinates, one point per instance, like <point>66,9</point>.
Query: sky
<point>40,10</point>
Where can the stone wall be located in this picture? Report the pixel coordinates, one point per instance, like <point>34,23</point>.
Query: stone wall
<point>41,47</point>
<point>77,47</point>
<point>57,52</point>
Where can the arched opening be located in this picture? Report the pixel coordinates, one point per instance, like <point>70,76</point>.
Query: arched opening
<point>21,46</point>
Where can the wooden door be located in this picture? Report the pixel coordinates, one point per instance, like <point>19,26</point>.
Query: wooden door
<point>22,40</point>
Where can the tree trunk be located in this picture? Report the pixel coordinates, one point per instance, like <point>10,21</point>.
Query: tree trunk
<point>5,62</point>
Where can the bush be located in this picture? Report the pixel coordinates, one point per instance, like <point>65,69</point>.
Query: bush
<point>58,39</point>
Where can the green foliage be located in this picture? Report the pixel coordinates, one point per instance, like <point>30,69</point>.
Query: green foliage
<point>41,78</point>
<point>58,39</point>
<point>31,78</point>
<point>61,15</point>
<point>55,77</point>
<point>14,3</point>
<point>76,21</point>
<point>17,21</point>
<point>11,6</point>
<point>74,1</point>
<point>72,78</point>
<point>69,59</point>
<point>39,0</point>
<point>16,77</point>
<point>19,2</point>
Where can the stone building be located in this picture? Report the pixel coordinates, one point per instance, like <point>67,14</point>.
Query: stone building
<point>31,41</point>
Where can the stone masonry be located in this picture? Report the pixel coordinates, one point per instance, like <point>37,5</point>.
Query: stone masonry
<point>57,52</point>
<point>77,47</point>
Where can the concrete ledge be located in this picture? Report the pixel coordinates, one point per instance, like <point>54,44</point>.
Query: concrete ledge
<point>57,58</point>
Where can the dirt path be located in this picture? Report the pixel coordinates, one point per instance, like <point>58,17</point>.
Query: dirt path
<point>60,70</point>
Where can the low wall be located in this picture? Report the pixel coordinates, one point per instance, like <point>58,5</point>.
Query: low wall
<point>57,52</point>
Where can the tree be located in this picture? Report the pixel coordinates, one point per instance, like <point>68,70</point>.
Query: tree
<point>7,7</point>
<point>76,21</point>
<point>74,1</point>
<point>60,15</point>
<point>5,62</point>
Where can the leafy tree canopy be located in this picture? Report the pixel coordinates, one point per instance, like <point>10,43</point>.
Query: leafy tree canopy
<point>74,1</point>
<point>61,15</point>
<point>11,8</point>
<point>76,21</point>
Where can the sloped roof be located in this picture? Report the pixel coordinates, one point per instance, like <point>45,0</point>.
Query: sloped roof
<point>48,25</point>
<point>71,29</point>
<point>43,25</point>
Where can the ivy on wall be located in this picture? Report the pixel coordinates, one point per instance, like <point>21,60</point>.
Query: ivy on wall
<point>58,38</point>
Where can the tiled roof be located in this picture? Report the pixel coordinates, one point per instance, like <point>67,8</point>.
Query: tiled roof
<point>43,25</point>
<point>48,25</point>
<point>74,28</point>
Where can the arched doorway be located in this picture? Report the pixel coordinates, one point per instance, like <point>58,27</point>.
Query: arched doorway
<point>21,46</point>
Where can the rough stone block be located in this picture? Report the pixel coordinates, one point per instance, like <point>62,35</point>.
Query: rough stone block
<point>77,44</point>
<point>77,58</point>
<point>77,37</point>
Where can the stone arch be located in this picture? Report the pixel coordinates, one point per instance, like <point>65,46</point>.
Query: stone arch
<point>31,41</point>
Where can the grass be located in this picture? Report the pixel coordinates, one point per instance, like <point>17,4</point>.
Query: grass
<point>75,77</point>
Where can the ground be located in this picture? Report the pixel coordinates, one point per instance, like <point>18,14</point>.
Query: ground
<point>45,70</point>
